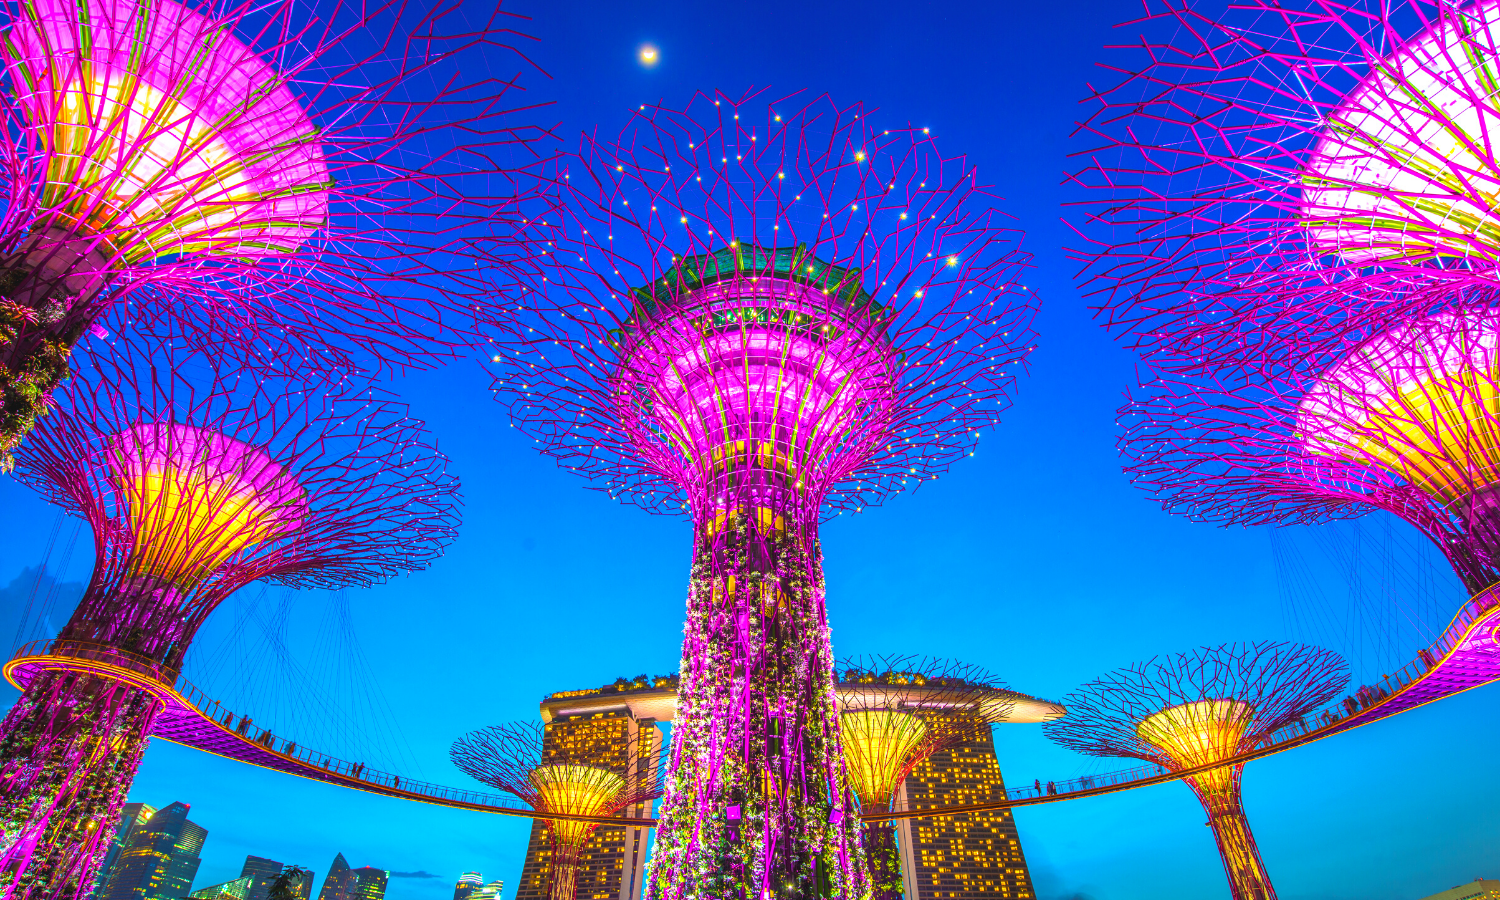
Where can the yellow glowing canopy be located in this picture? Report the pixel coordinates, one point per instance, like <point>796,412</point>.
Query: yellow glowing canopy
<point>1197,733</point>
<point>880,745</point>
<point>1421,401</point>
<point>576,791</point>
<point>195,498</point>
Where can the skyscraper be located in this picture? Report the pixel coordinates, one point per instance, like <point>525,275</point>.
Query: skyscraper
<point>338,881</point>
<point>262,872</point>
<point>468,883</point>
<point>606,721</point>
<point>368,883</point>
<point>491,891</point>
<point>161,858</point>
<point>238,889</point>
<point>301,881</point>
<point>970,856</point>
<point>132,817</point>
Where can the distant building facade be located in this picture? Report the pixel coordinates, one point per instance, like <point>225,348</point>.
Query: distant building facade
<point>603,725</point>
<point>262,873</point>
<point>338,881</point>
<point>238,889</point>
<point>468,883</point>
<point>160,859</point>
<point>368,883</point>
<point>1478,889</point>
<point>490,891</point>
<point>970,856</point>
<point>132,817</point>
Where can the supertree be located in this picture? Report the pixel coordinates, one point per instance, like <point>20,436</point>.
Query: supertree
<point>1407,421</point>
<point>287,179</point>
<point>565,778</point>
<point>761,313</point>
<point>1192,709</point>
<point>894,713</point>
<point>195,482</point>
<point>1298,173</point>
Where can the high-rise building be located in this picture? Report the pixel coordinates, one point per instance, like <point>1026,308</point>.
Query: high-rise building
<point>604,724</point>
<point>468,883</point>
<point>238,889</point>
<point>369,883</point>
<point>301,882</point>
<point>161,858</point>
<point>491,891</point>
<point>1478,889</point>
<point>970,856</point>
<point>338,881</point>
<point>132,817</point>
<point>262,873</point>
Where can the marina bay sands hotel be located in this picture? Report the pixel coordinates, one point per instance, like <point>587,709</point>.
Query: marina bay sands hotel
<point>961,857</point>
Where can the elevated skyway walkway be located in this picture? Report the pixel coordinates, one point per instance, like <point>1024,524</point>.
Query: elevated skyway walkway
<point>1466,656</point>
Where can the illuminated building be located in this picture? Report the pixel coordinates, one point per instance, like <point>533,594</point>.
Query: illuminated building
<point>490,891</point>
<point>161,858</point>
<point>368,883</point>
<point>468,883</point>
<point>1478,889</point>
<point>262,871</point>
<point>132,816</point>
<point>338,881</point>
<point>238,889</point>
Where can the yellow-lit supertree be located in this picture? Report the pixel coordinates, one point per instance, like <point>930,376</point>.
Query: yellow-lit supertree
<point>895,712</point>
<point>1187,710</point>
<point>563,778</point>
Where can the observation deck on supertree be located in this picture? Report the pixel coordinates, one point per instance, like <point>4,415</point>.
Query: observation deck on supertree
<point>762,313</point>
<point>283,179</point>
<point>195,483</point>
<point>557,777</point>
<point>1190,709</point>
<point>895,712</point>
<point>1291,175</point>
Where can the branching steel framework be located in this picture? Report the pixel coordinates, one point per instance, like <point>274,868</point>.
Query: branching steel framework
<point>1189,709</point>
<point>895,712</point>
<point>1290,174</point>
<point>556,776</point>
<point>762,312</point>
<point>285,179</point>
<point>194,483</point>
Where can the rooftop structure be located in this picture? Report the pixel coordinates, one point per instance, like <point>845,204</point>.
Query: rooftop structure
<point>1192,709</point>
<point>762,313</point>
<point>1227,215</point>
<point>194,483</point>
<point>555,770</point>
<point>212,164</point>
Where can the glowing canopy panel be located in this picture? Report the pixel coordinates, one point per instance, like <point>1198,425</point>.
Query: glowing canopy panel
<point>1197,733</point>
<point>195,498</point>
<point>1421,401</point>
<point>578,791</point>
<point>880,745</point>
<point>753,360</point>
<point>1406,166</point>
<point>164,134</point>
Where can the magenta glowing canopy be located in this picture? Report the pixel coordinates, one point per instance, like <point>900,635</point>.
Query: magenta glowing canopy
<point>166,133</point>
<point>1295,172</point>
<point>769,284</point>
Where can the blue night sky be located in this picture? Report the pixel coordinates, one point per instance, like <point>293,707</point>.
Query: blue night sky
<point>1035,558</point>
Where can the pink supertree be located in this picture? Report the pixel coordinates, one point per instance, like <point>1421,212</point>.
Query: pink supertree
<point>762,312</point>
<point>195,483</point>
<point>1290,173</point>
<point>1407,421</point>
<point>1192,709</point>
<point>287,179</point>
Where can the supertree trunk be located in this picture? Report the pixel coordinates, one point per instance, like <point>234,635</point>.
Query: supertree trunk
<point>755,802</point>
<point>1220,796</point>
<point>69,750</point>
<point>566,856</point>
<point>884,858</point>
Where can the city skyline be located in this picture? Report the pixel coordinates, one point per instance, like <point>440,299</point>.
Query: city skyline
<point>1037,558</point>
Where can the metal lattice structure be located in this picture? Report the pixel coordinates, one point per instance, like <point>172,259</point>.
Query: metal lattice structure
<point>553,776</point>
<point>761,313</point>
<point>895,712</point>
<point>1188,709</point>
<point>1407,421</point>
<point>195,483</point>
<point>1289,173</point>
<point>286,180</point>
